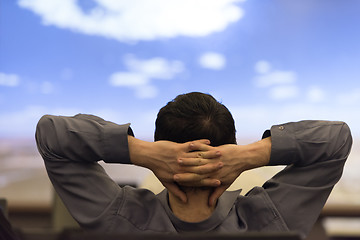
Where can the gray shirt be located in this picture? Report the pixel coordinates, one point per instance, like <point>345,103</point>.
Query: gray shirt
<point>314,152</point>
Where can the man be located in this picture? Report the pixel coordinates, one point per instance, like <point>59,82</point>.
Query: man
<point>315,152</point>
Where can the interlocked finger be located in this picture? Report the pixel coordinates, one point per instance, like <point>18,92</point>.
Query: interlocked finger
<point>195,180</point>
<point>199,145</point>
<point>193,161</point>
<point>210,154</point>
<point>188,178</point>
<point>199,158</point>
<point>202,169</point>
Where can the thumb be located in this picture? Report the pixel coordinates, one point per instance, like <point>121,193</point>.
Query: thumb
<point>216,194</point>
<point>174,189</point>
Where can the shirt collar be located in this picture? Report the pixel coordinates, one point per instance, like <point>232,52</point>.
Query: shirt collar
<point>222,209</point>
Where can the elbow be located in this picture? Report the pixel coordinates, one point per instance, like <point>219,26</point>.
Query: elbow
<point>348,137</point>
<point>44,130</point>
<point>344,142</point>
<point>43,126</point>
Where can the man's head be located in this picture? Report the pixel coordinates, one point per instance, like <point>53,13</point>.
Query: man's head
<point>194,116</point>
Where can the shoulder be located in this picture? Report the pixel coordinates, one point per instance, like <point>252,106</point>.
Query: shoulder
<point>138,197</point>
<point>259,212</point>
<point>143,210</point>
<point>137,200</point>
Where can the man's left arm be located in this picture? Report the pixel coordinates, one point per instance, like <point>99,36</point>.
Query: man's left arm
<point>82,140</point>
<point>315,153</point>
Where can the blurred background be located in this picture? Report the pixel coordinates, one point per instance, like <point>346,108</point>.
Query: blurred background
<point>269,61</point>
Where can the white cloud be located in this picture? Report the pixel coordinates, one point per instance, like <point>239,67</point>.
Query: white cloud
<point>135,20</point>
<point>212,60</point>
<point>128,79</point>
<point>275,78</point>
<point>157,67</point>
<point>283,92</point>
<point>281,85</point>
<point>262,67</point>
<point>9,80</point>
<point>316,94</point>
<point>142,72</point>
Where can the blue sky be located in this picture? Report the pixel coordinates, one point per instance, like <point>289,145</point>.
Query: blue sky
<point>268,61</point>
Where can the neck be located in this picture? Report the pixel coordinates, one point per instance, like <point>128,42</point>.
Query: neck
<point>196,209</point>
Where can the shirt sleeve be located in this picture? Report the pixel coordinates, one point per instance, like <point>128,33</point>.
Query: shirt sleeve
<point>71,148</point>
<point>315,153</point>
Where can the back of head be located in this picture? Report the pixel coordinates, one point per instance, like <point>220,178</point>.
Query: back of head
<point>194,116</point>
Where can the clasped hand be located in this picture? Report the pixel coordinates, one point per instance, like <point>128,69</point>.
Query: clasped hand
<point>196,164</point>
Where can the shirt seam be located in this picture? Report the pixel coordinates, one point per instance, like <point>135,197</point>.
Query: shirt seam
<point>267,200</point>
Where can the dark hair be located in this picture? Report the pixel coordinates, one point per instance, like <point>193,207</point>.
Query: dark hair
<point>194,116</point>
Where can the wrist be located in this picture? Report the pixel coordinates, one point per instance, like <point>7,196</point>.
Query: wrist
<point>258,153</point>
<point>138,151</point>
